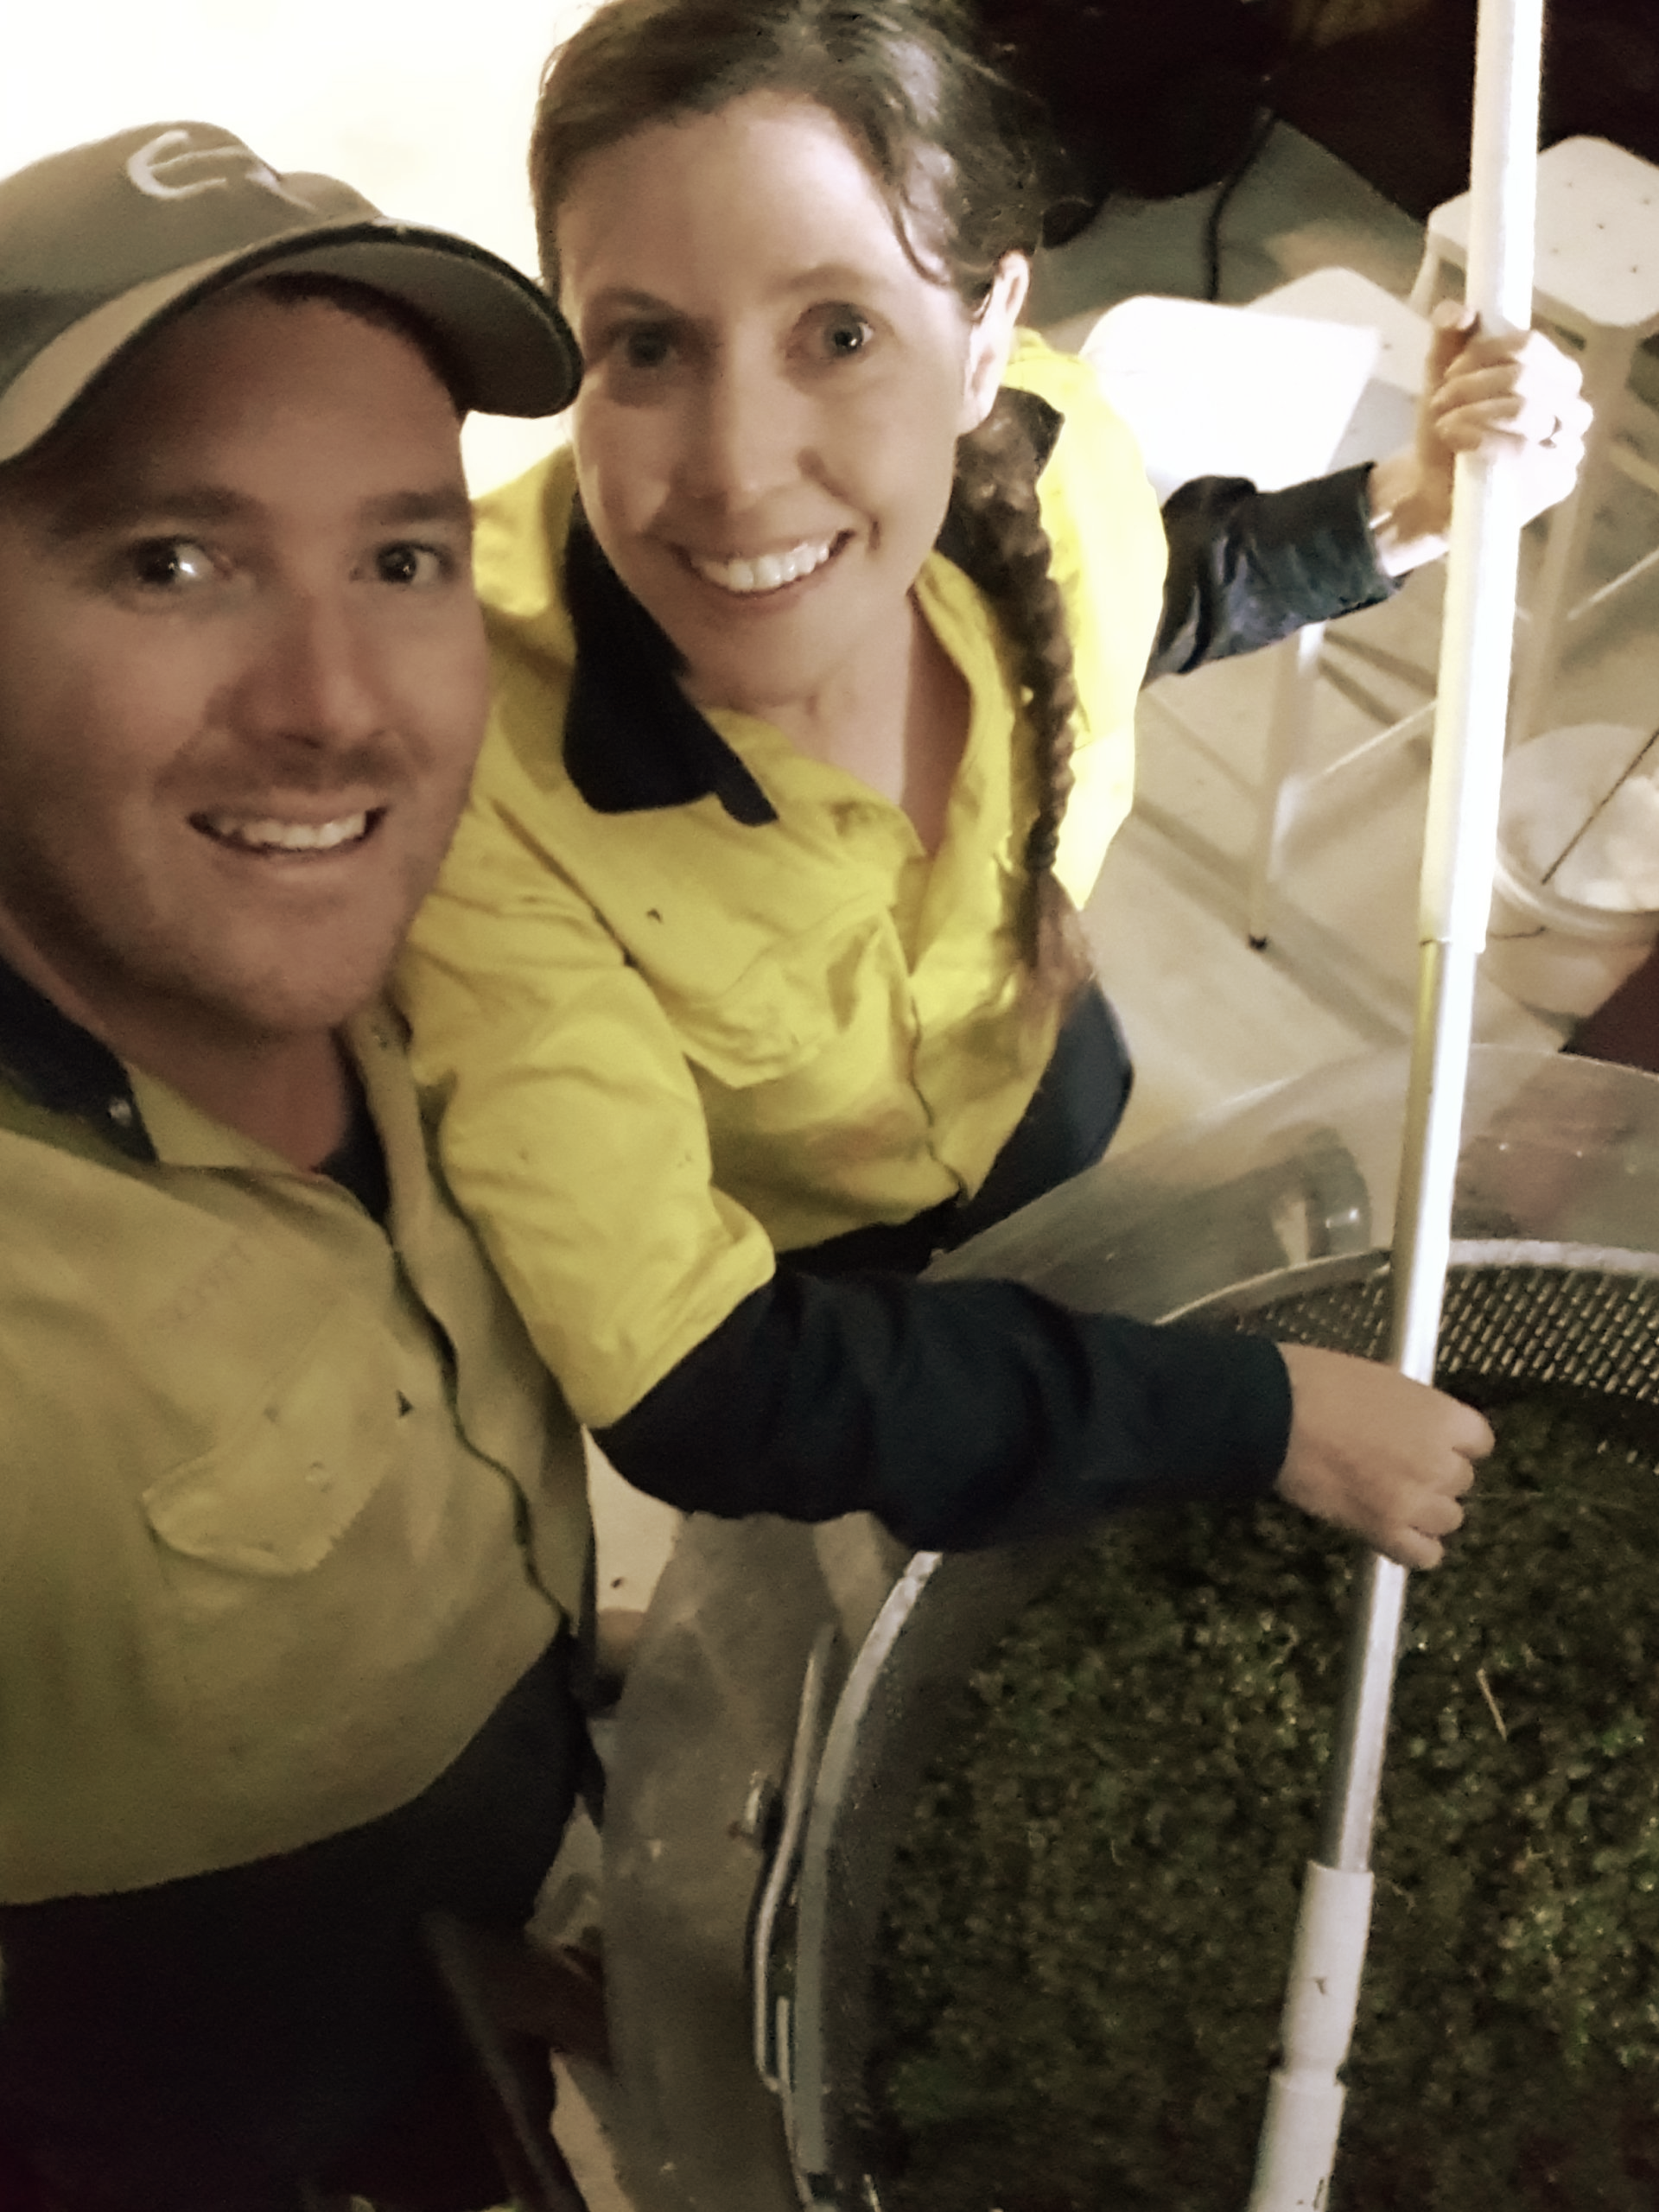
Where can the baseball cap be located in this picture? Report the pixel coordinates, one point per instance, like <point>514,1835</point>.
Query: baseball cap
<point>100,243</point>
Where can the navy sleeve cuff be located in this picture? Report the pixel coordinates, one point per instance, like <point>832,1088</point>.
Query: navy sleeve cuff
<point>962,1413</point>
<point>1247,567</point>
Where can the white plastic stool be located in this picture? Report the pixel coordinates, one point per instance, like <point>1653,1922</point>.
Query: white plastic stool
<point>1597,280</point>
<point>1222,391</point>
<point>1319,373</point>
<point>1383,419</point>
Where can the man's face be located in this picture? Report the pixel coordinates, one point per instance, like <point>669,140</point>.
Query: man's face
<point>243,678</point>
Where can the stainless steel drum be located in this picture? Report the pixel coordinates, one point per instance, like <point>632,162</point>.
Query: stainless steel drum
<point>750,1836</point>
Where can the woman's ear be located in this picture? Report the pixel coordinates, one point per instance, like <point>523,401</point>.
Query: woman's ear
<point>990,339</point>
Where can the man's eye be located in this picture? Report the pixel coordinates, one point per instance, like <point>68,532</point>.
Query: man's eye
<point>169,563</point>
<point>412,565</point>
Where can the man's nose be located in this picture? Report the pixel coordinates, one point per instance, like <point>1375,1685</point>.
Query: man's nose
<point>313,672</point>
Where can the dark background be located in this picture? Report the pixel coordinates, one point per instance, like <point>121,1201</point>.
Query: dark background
<point>1157,97</point>
<point>1395,105</point>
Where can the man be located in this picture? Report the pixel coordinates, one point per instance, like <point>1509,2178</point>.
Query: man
<point>291,1524</point>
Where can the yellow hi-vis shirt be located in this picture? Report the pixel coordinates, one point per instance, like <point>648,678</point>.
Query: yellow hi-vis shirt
<point>668,1042</point>
<point>288,1503</point>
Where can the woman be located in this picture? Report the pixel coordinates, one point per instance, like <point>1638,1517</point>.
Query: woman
<point>754,976</point>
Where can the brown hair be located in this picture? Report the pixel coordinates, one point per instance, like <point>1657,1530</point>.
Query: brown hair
<point>963,160</point>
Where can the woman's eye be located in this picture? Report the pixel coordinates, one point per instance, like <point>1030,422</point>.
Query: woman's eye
<point>645,347</point>
<point>845,333</point>
<point>411,564</point>
<point>169,563</point>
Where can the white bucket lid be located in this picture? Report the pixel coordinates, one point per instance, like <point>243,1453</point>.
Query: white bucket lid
<point>1521,909</point>
<point>1579,824</point>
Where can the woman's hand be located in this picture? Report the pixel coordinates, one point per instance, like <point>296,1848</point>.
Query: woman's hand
<point>1378,1454</point>
<point>1519,394</point>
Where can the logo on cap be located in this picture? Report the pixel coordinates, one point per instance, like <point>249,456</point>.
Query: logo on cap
<point>154,168</point>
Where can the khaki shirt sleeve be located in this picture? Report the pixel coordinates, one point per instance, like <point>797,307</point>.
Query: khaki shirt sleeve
<point>571,1130</point>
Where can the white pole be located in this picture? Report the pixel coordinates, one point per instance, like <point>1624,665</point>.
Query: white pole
<point>1305,2098</point>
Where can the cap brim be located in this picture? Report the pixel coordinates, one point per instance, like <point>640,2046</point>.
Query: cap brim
<point>515,349</point>
<point>513,346</point>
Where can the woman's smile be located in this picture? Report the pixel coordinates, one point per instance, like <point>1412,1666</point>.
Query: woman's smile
<point>774,385</point>
<point>765,574</point>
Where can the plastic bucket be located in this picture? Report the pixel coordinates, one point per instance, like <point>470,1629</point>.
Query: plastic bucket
<point>1575,885</point>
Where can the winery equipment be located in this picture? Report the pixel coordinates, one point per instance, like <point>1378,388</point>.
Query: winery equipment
<point>731,1965</point>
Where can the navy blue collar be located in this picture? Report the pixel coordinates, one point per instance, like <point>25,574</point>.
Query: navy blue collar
<point>62,1067</point>
<point>632,740</point>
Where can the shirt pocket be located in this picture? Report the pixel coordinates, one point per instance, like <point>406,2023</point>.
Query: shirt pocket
<point>803,997</point>
<point>297,1466</point>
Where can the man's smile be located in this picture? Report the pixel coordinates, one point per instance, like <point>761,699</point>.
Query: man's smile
<point>268,834</point>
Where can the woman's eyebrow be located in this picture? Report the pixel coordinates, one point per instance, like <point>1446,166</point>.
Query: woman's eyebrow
<point>839,278</point>
<point>616,297</point>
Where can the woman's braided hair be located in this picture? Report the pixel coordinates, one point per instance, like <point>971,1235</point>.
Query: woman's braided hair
<point>963,160</point>
<point>994,508</point>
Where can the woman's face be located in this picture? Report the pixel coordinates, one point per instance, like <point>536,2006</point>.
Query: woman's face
<point>766,432</point>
